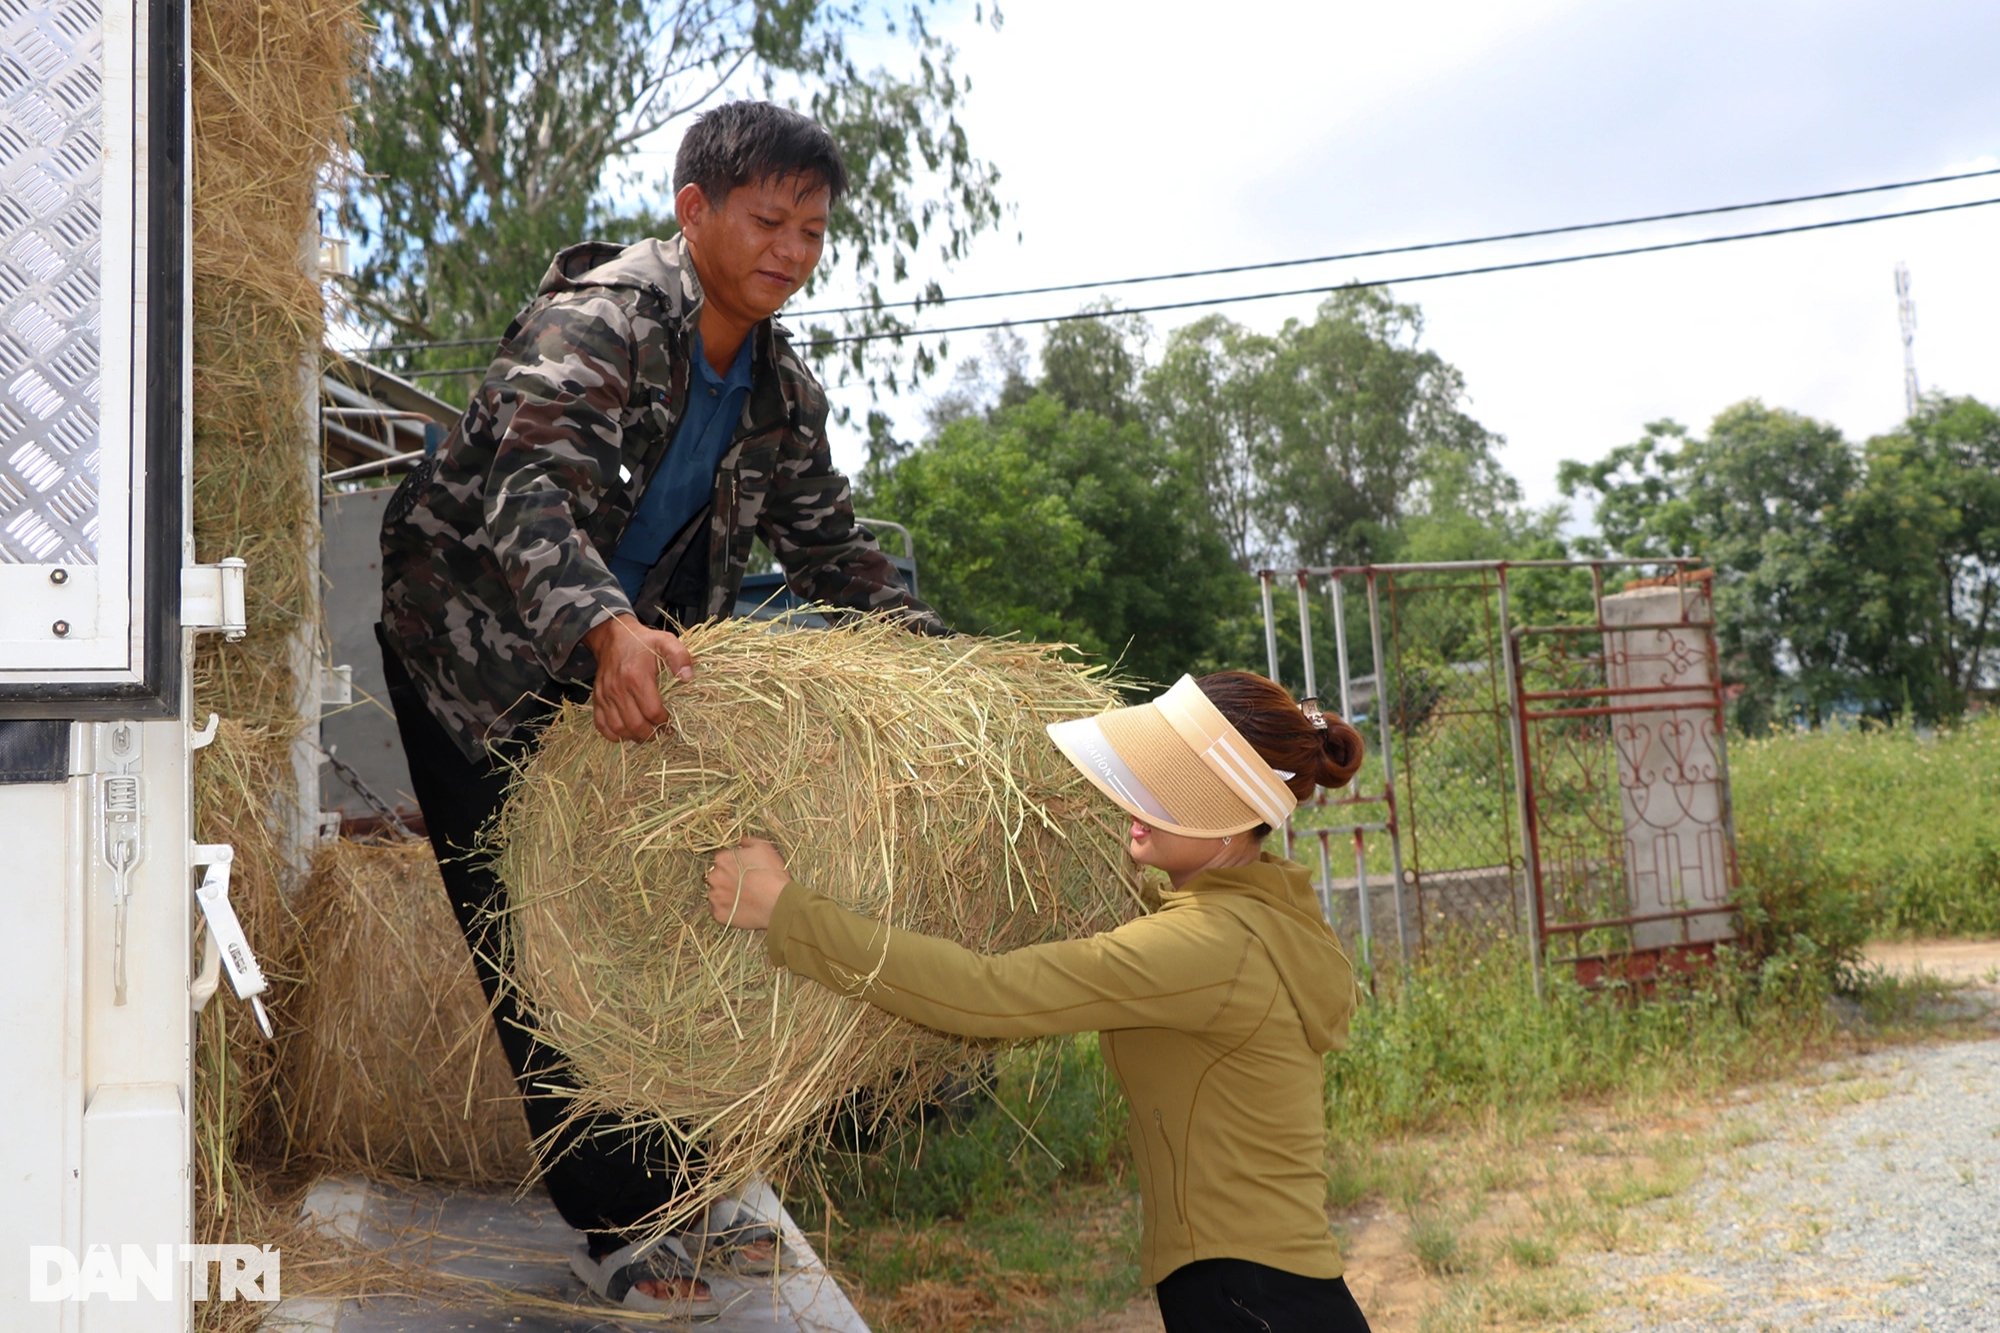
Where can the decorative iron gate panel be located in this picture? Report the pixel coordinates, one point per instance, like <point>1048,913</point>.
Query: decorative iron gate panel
<point>1562,782</point>
<point>1629,833</point>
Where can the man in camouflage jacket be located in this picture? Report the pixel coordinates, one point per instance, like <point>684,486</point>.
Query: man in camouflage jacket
<point>515,573</point>
<point>493,552</point>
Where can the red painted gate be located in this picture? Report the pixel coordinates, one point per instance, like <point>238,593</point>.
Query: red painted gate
<point>1547,758</point>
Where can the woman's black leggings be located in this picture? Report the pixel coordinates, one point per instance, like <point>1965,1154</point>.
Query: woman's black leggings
<point>1224,1295</point>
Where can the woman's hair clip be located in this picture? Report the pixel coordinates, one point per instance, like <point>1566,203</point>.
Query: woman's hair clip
<point>1310,707</point>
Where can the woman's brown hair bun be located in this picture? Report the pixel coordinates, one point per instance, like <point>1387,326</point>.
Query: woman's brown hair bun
<point>1267,716</point>
<point>1341,752</point>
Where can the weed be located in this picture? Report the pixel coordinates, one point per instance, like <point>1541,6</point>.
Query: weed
<point>1414,1062</point>
<point>1851,1092</point>
<point>1901,1000</point>
<point>1561,1214</point>
<point>1607,1228</point>
<point>1053,1111</point>
<point>1631,1188</point>
<point>1506,1172</point>
<point>1742,1132</point>
<point>1460,1310</point>
<point>1543,1300</point>
<point>1440,1249</point>
<point>1353,1175</point>
<point>1531,1251</point>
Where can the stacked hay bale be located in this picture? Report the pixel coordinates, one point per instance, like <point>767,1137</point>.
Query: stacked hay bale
<point>270,84</point>
<point>234,1064</point>
<point>390,1063</point>
<point>908,777</point>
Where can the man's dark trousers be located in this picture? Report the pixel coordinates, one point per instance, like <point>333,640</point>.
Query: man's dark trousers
<point>604,1178</point>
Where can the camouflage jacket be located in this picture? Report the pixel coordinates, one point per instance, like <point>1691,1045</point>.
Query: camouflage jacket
<point>494,550</point>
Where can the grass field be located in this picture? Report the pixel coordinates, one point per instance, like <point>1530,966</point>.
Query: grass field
<point>1478,1134</point>
<point>1905,822</point>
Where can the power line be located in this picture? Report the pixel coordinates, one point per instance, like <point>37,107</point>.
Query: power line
<point>1357,285</point>
<point>1417,248</point>
<point>1420,248</point>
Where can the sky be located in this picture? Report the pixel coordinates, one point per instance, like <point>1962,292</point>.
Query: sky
<point>1139,138</point>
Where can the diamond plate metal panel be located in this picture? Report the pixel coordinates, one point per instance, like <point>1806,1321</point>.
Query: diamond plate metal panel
<point>51,119</point>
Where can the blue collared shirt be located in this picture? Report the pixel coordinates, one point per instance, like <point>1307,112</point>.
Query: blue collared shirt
<point>685,479</point>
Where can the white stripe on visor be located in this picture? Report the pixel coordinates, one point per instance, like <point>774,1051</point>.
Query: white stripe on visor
<point>1088,738</point>
<point>1225,752</point>
<point>1256,789</point>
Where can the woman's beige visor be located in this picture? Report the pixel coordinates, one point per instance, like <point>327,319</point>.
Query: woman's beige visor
<point>1177,764</point>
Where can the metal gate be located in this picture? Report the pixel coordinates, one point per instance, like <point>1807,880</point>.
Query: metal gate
<point>1629,832</point>
<point>1546,758</point>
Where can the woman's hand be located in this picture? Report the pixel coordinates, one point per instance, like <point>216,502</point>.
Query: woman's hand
<point>744,884</point>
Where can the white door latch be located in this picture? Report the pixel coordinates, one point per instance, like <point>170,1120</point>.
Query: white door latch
<point>212,598</point>
<point>225,948</point>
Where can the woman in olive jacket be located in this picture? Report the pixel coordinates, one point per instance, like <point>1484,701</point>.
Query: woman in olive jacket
<point>1214,1010</point>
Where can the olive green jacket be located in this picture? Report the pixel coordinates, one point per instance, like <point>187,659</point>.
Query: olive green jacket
<point>1214,1011</point>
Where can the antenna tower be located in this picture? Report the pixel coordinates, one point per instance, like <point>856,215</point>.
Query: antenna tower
<point>1906,310</point>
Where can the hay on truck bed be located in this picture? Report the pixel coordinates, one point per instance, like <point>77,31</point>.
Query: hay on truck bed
<point>270,82</point>
<point>389,1063</point>
<point>910,778</point>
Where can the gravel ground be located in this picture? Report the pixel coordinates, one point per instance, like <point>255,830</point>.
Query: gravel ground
<point>1866,1201</point>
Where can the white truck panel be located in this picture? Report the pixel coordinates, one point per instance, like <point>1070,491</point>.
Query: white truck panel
<point>41,1033</point>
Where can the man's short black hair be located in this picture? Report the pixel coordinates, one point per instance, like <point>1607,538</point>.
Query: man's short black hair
<point>742,142</point>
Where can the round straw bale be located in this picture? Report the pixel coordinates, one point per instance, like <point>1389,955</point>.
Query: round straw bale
<point>908,777</point>
<point>389,1061</point>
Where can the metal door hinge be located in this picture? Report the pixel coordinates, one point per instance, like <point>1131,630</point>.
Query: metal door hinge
<point>212,598</point>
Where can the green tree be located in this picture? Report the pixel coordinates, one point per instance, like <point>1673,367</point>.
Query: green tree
<point>1921,537</point>
<point>1888,532</point>
<point>997,377</point>
<point>1206,400</point>
<point>492,132</point>
<point>1760,499</point>
<point>1372,430</point>
<point>1061,525</point>
<point>1316,444</point>
<point>1960,440</point>
<point>1093,365</point>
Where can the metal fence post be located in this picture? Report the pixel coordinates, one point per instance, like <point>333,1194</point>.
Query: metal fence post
<point>1340,646</point>
<point>1270,622</point>
<point>1363,908</point>
<point>1531,870</point>
<point>1388,768</point>
<point>1306,639</point>
<point>1264,577</point>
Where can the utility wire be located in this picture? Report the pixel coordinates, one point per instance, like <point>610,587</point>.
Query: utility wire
<point>1328,289</point>
<point>1417,248</point>
<point>1420,248</point>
